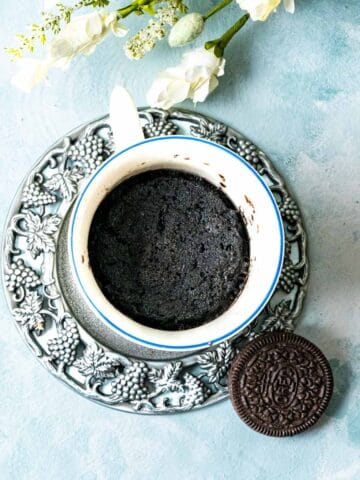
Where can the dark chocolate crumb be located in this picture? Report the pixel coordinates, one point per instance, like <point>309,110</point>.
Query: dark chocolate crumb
<point>248,201</point>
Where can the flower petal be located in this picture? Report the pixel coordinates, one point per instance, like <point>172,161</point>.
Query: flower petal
<point>118,30</point>
<point>81,35</point>
<point>202,92</point>
<point>166,91</point>
<point>94,24</point>
<point>259,9</point>
<point>194,78</point>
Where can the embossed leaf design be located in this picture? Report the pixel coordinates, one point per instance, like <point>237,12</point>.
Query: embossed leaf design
<point>217,362</point>
<point>65,183</point>
<point>39,232</point>
<point>283,309</point>
<point>96,364</point>
<point>50,224</point>
<point>28,312</point>
<point>214,131</point>
<point>167,377</point>
<point>281,318</point>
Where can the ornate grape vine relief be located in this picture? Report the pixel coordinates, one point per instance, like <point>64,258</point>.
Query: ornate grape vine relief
<point>57,338</point>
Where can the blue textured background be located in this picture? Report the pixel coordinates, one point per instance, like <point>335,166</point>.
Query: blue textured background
<point>291,85</point>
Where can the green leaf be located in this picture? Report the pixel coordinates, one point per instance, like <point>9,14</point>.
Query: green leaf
<point>14,52</point>
<point>100,3</point>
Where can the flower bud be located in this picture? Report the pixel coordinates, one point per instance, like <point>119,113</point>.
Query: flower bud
<point>186,29</point>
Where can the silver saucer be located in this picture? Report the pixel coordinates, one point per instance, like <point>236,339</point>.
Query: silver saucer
<point>68,339</point>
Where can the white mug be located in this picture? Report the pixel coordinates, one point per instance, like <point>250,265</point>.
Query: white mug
<point>247,191</point>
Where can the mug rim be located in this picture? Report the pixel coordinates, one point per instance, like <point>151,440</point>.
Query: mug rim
<point>233,331</point>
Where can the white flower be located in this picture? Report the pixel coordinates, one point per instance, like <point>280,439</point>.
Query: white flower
<point>194,78</point>
<point>31,72</point>
<point>82,35</point>
<point>186,29</point>
<point>261,9</point>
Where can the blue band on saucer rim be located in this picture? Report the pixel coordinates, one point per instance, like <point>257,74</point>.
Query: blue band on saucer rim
<point>262,303</point>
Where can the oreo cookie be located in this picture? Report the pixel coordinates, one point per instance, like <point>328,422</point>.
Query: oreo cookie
<point>280,384</point>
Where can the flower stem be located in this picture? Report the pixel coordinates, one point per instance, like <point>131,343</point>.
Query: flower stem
<point>219,6</point>
<point>135,6</point>
<point>221,43</point>
<point>228,35</point>
<point>125,11</point>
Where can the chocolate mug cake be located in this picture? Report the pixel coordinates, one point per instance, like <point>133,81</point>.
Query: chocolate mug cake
<point>169,249</point>
<point>171,256</point>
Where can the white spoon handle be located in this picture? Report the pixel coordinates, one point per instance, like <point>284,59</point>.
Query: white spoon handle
<point>124,119</point>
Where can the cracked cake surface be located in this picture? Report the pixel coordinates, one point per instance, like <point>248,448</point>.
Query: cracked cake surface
<point>169,249</point>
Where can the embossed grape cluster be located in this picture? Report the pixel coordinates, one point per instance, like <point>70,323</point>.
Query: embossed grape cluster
<point>289,277</point>
<point>250,153</point>
<point>197,391</point>
<point>88,153</point>
<point>130,385</point>
<point>289,210</point>
<point>34,196</point>
<point>63,347</point>
<point>21,275</point>
<point>160,127</point>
